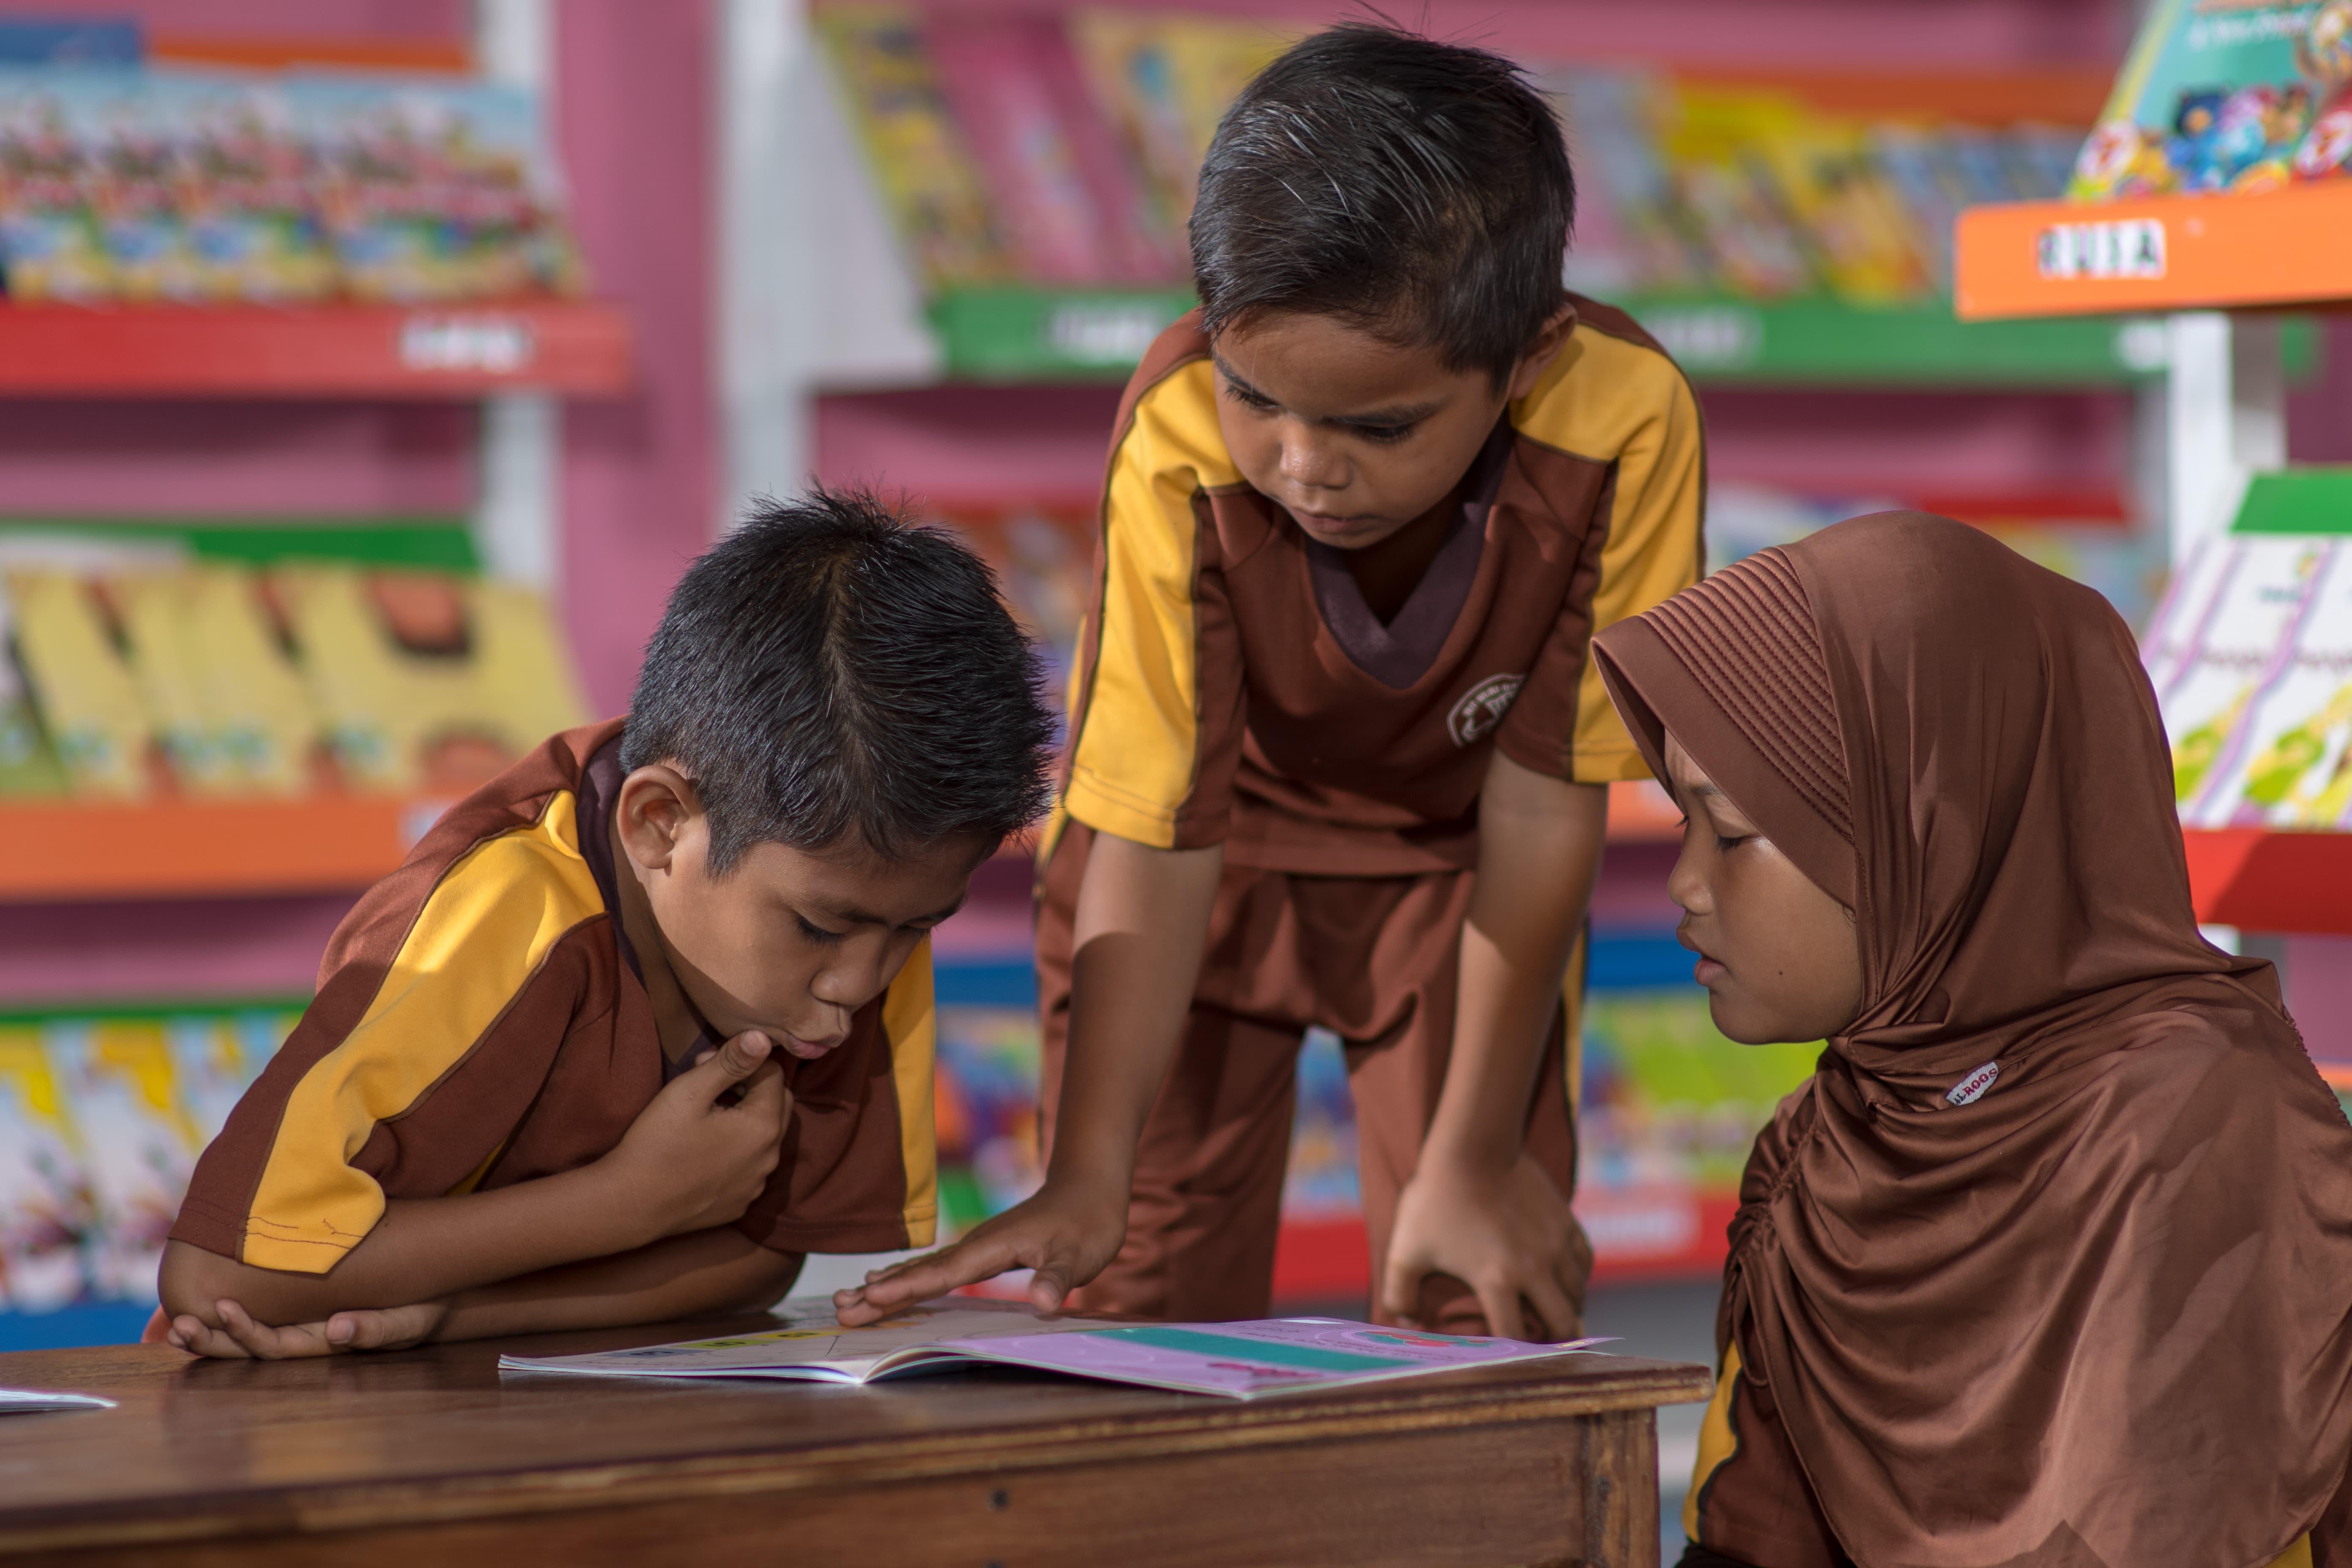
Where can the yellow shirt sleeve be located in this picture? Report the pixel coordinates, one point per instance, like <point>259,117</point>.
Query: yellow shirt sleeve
<point>1614,400</point>
<point>480,939</point>
<point>1152,663</point>
<point>911,1023</point>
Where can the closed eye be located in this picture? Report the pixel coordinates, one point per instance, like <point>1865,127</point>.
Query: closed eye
<point>818,934</point>
<point>1382,434</point>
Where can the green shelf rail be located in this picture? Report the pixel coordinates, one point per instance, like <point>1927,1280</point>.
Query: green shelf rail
<point>1021,333</point>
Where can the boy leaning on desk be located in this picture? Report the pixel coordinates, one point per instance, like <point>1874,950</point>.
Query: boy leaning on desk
<point>647,1017</point>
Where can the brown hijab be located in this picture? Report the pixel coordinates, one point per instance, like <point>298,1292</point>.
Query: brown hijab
<point>2100,1311</point>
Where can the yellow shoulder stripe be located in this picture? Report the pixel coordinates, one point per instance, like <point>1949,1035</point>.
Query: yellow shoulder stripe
<point>1612,401</point>
<point>481,936</point>
<point>910,1025</point>
<point>1717,1441</point>
<point>1137,720</point>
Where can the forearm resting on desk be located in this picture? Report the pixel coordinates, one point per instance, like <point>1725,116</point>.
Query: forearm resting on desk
<point>710,1271</point>
<point>421,1250</point>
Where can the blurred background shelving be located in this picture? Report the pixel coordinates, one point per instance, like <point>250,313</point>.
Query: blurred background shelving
<point>920,246</point>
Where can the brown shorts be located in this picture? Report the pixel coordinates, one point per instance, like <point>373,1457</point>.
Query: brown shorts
<point>1375,959</point>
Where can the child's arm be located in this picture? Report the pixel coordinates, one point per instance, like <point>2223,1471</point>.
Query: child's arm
<point>689,1162</point>
<point>708,1271</point>
<point>1477,1207</point>
<point>1141,922</point>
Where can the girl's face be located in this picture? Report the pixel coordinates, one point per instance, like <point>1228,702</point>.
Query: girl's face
<point>1778,957</point>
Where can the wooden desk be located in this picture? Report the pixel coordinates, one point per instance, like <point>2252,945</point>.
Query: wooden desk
<point>431,1456</point>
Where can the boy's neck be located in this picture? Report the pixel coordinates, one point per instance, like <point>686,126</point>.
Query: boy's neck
<point>1388,571</point>
<point>674,1018</point>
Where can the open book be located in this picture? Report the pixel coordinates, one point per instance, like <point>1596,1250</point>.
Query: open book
<point>1239,1361</point>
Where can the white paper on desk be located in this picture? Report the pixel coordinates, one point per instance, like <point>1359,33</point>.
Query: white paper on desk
<point>27,1402</point>
<point>810,1344</point>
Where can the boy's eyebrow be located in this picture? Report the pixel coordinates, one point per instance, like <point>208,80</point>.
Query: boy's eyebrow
<point>851,915</point>
<point>1402,414</point>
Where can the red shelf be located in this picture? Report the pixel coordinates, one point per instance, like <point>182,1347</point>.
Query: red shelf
<point>2265,881</point>
<point>582,348</point>
<point>179,848</point>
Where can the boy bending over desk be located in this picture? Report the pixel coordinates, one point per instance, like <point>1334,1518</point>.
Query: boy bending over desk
<point>1339,754</point>
<point>647,1017</point>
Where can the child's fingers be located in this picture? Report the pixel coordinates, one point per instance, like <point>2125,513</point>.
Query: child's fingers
<point>729,1066</point>
<point>1559,1319</point>
<point>197,1337</point>
<point>259,1341</point>
<point>1501,1305</point>
<point>1401,1286</point>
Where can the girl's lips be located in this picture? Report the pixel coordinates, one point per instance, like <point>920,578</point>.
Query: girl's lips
<point>807,1050</point>
<point>1706,971</point>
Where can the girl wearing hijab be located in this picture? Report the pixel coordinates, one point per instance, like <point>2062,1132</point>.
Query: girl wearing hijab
<point>2049,1265</point>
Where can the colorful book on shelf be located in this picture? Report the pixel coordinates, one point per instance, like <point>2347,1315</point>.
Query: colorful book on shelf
<point>2249,96</point>
<point>1165,80</point>
<point>1067,197</point>
<point>918,154</point>
<point>2245,642</point>
<point>102,1118</point>
<point>45,1204</point>
<point>214,186</point>
<point>1235,1360</point>
<point>2291,768</point>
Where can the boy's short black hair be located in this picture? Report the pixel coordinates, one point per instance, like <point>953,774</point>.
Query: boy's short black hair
<point>829,669</point>
<point>1419,190</point>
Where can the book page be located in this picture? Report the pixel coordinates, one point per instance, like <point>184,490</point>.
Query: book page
<point>1244,1361</point>
<point>809,1342</point>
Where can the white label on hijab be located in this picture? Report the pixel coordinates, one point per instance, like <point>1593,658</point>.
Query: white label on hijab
<point>1971,1088</point>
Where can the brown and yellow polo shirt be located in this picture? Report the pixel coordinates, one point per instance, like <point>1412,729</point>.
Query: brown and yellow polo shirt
<point>479,1022</point>
<point>1231,686</point>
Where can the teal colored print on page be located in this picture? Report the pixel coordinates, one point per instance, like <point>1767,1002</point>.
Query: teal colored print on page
<point>1236,1348</point>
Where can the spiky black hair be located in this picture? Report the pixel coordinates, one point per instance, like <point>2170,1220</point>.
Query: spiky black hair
<point>1417,189</point>
<point>830,669</point>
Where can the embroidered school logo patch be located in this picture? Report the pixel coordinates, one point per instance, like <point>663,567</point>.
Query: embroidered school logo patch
<point>1482,707</point>
<point>1971,1088</point>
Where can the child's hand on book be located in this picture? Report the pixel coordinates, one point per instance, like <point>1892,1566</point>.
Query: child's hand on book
<point>1065,1238</point>
<point>241,1338</point>
<point>1508,1235</point>
<point>703,1149</point>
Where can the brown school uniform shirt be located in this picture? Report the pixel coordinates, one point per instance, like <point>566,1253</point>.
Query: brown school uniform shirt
<point>480,1022</point>
<point>1233,687</point>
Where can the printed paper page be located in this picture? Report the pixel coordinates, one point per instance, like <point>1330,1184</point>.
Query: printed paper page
<point>30,1402</point>
<point>809,1342</point>
<point>1243,1360</point>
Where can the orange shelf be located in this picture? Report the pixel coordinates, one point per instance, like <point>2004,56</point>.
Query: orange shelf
<point>2292,247</point>
<point>72,851</point>
<point>2265,881</point>
<point>583,348</point>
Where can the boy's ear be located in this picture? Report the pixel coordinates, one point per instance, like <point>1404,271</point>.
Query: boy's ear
<point>1542,349</point>
<point>657,802</point>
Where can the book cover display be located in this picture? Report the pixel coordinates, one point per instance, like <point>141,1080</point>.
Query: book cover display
<point>1066,151</point>
<point>2246,640</point>
<point>128,672</point>
<point>2226,96</point>
<point>192,187</point>
<point>2292,767</point>
<point>102,1118</point>
<point>2252,658</point>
